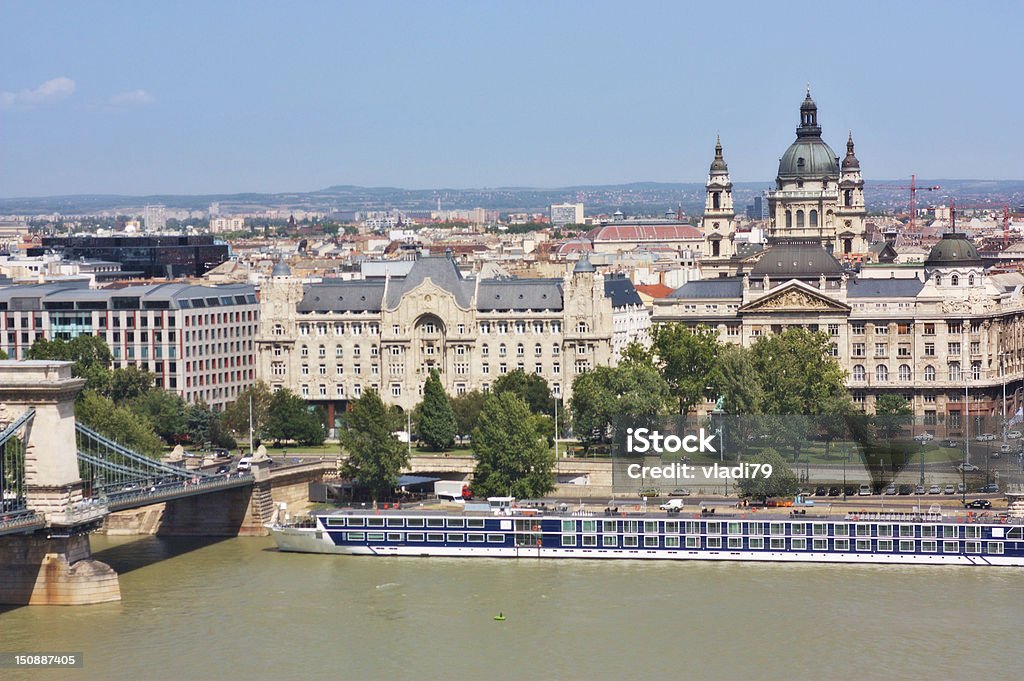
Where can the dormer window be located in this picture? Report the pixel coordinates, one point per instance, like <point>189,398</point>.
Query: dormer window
<point>954,280</point>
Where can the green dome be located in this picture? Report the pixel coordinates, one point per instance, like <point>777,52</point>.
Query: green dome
<point>954,249</point>
<point>809,159</point>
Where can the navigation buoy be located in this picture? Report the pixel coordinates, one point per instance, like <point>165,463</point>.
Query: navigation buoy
<point>499,617</point>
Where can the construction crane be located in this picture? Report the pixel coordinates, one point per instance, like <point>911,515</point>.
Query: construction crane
<point>914,188</point>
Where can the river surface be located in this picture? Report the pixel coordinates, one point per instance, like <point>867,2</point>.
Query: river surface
<point>237,609</point>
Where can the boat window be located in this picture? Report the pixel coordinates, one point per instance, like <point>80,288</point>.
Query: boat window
<point>374,536</point>
<point>819,529</point>
<point>929,546</point>
<point>995,547</point>
<point>907,545</point>
<point>671,527</point>
<point>693,542</point>
<point>864,545</point>
<point>335,522</point>
<point>972,547</point>
<point>671,542</point>
<point>906,530</point>
<point>609,540</point>
<point>396,522</point>
<point>714,528</point>
<point>735,542</point>
<point>356,522</point>
<point>375,522</point>
<point>456,522</point>
<point>651,526</point>
<point>820,545</point>
<point>756,528</point>
<point>496,538</point>
<point>568,526</point>
<point>568,540</point>
<point>841,530</point>
<point>951,547</point>
<point>928,531</point>
<point>692,527</point>
<point>735,528</point>
<point>475,523</point>
<point>630,525</point>
<point>435,536</point>
<point>778,528</point>
<point>1015,533</point>
<point>414,536</point>
<point>356,536</point>
<point>842,544</point>
<point>714,542</point>
<point>884,531</point>
<point>756,543</point>
<point>651,542</point>
<point>798,544</point>
<point>589,525</point>
<point>863,530</point>
<point>473,537</point>
<point>394,536</point>
<point>608,525</point>
<point>972,532</point>
<point>885,545</point>
<point>796,528</point>
<point>629,541</point>
<point>435,522</point>
<point>414,522</point>
<point>778,544</point>
<point>588,539</point>
<point>950,532</point>
<point>457,538</point>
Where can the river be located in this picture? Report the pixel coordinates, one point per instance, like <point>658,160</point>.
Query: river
<point>237,609</point>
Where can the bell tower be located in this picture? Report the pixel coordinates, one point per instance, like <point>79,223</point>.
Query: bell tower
<point>851,232</point>
<point>718,221</point>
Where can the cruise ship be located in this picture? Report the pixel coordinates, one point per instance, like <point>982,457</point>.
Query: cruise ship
<point>502,529</point>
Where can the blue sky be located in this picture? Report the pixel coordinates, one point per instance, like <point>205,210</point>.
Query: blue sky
<point>210,97</point>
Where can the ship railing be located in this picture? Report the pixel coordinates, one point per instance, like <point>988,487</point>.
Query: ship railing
<point>894,517</point>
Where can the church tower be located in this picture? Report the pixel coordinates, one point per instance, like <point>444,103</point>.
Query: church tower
<point>850,213</point>
<point>717,224</point>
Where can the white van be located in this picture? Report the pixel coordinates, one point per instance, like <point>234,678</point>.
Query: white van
<point>245,463</point>
<point>865,491</point>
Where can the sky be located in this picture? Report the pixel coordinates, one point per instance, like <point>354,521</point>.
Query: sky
<point>222,97</point>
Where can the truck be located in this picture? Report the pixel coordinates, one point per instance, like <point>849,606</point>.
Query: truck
<point>452,490</point>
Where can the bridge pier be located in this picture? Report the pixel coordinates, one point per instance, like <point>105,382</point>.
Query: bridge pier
<point>52,566</point>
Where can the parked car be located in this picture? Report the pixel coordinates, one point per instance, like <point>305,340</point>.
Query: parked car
<point>891,489</point>
<point>978,503</point>
<point>905,490</point>
<point>820,491</point>
<point>924,437</point>
<point>865,491</point>
<point>985,437</point>
<point>990,488</point>
<point>245,463</point>
<point>966,467</point>
<point>948,489</point>
<point>649,492</point>
<point>680,492</point>
<point>834,491</point>
<point>919,489</point>
<point>1014,435</point>
<point>934,489</point>
<point>952,443</point>
<point>671,505</point>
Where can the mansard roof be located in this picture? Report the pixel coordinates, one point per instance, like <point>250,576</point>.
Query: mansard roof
<point>519,294</point>
<point>883,288</point>
<point>442,271</point>
<point>710,288</point>
<point>621,291</point>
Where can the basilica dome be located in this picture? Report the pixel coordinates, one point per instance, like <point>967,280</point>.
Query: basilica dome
<point>808,158</point>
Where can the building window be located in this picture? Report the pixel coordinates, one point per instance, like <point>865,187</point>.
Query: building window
<point>857,329</point>
<point>953,349</point>
<point>929,349</point>
<point>881,349</point>
<point>904,372</point>
<point>929,373</point>
<point>813,217</point>
<point>954,371</point>
<point>537,350</point>
<point>858,372</point>
<point>976,370</point>
<point>881,373</point>
<point>502,350</point>
<point>954,280</point>
<point>304,351</point>
<point>970,280</point>
<point>396,390</point>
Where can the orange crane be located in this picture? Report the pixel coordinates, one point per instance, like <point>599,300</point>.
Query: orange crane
<point>914,188</point>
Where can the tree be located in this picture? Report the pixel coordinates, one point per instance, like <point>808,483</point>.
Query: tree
<point>437,424</point>
<point>593,405</point>
<point>511,456</point>
<point>735,380</point>
<point>3,355</point>
<point>892,415</point>
<point>90,355</point>
<point>467,411</point>
<point>165,411</point>
<point>290,419</point>
<point>129,382</point>
<point>236,414</point>
<point>797,371</point>
<point>633,390</point>
<point>117,423</point>
<point>531,388</point>
<point>375,456</point>
<point>781,483</point>
<point>686,358</point>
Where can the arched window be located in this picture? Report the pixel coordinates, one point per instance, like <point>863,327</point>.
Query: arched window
<point>970,280</point>
<point>799,219</point>
<point>789,218</point>
<point>716,200</point>
<point>905,372</point>
<point>813,217</point>
<point>881,373</point>
<point>502,350</point>
<point>520,350</point>
<point>954,280</point>
<point>929,373</point>
<point>848,198</point>
<point>938,279</point>
<point>858,372</point>
<point>537,350</point>
<point>484,350</point>
<point>716,249</point>
<point>954,371</point>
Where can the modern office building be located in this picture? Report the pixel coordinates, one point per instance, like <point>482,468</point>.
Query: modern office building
<point>151,256</point>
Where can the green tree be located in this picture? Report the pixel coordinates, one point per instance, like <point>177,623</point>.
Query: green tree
<point>735,379</point>
<point>165,411</point>
<point>893,415</point>
<point>686,358</point>
<point>531,388</point>
<point>797,371</point>
<point>375,456</point>
<point>781,483</point>
<point>236,414</point>
<point>129,382</point>
<point>3,355</point>
<point>467,411</point>
<point>90,355</point>
<point>290,419</point>
<point>198,418</point>
<point>593,405</point>
<point>634,390</point>
<point>117,423</point>
<point>437,425</point>
<point>511,456</point>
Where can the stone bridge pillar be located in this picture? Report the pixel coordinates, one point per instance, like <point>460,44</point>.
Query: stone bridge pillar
<point>52,566</point>
<point>52,480</point>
